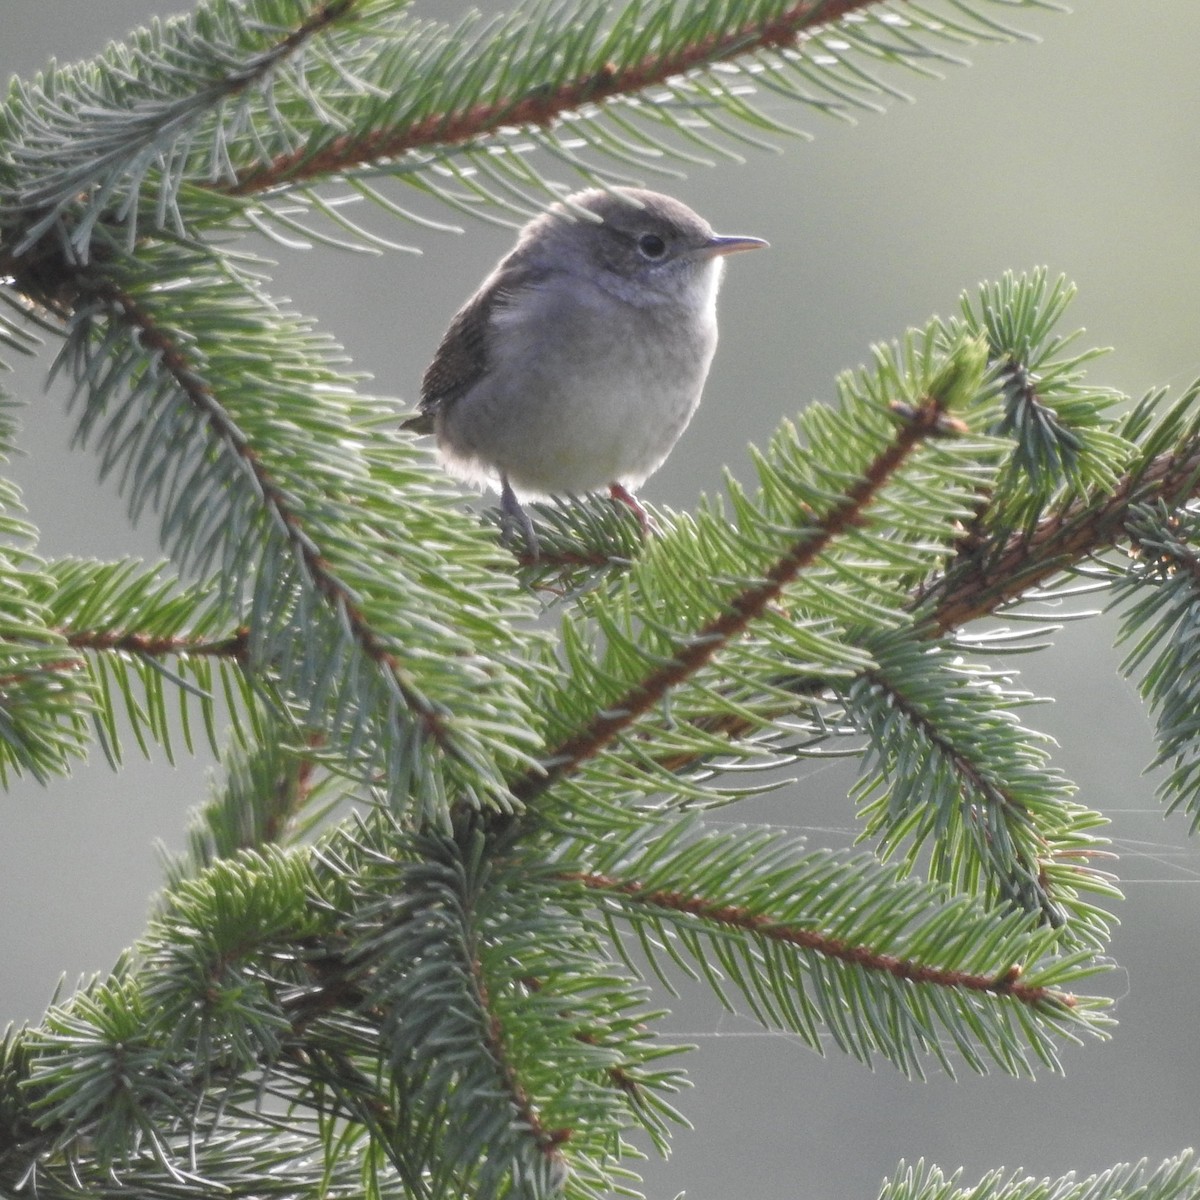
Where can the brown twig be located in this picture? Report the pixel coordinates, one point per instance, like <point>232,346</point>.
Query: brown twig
<point>125,309</point>
<point>142,645</point>
<point>235,646</point>
<point>978,588</point>
<point>733,916</point>
<point>548,1140</point>
<point>540,106</point>
<point>1060,541</point>
<point>917,425</point>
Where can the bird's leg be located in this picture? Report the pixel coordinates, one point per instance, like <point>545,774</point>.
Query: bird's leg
<point>623,495</point>
<point>515,515</point>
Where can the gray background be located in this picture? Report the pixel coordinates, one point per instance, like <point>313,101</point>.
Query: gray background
<point>1078,153</point>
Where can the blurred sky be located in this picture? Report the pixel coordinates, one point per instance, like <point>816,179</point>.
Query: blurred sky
<point>1079,153</point>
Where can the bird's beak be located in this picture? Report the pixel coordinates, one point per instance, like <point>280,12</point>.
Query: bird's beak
<point>719,246</point>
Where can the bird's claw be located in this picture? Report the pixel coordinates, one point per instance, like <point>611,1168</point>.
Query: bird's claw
<point>622,495</point>
<point>516,518</point>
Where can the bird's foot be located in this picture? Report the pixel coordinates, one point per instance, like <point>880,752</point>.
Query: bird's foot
<point>516,518</point>
<point>622,495</point>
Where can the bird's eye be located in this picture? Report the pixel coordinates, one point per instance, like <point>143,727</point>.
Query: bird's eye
<point>651,246</point>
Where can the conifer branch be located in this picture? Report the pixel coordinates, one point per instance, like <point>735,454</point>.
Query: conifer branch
<point>1175,1178</point>
<point>916,424</point>
<point>495,1043</point>
<point>323,15</point>
<point>970,592</point>
<point>541,107</point>
<point>979,588</point>
<point>267,798</point>
<point>452,1004</point>
<point>120,136</point>
<point>235,647</point>
<point>994,816</point>
<point>339,599</point>
<point>1062,540</point>
<point>1007,983</point>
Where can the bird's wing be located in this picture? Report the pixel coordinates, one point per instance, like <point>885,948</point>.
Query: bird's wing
<point>462,355</point>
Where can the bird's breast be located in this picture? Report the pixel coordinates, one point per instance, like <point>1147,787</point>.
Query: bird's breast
<point>583,391</point>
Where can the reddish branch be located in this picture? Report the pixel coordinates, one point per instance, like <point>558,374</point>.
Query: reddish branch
<point>46,275</point>
<point>734,916</point>
<point>964,768</point>
<point>743,609</point>
<point>1061,541</point>
<point>323,16</point>
<point>144,645</point>
<point>541,106</point>
<point>171,358</point>
<point>548,1140</point>
<point>980,588</point>
<point>234,647</point>
<point>337,982</point>
<point>974,589</point>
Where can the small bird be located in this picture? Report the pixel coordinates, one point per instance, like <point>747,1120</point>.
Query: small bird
<point>580,360</point>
